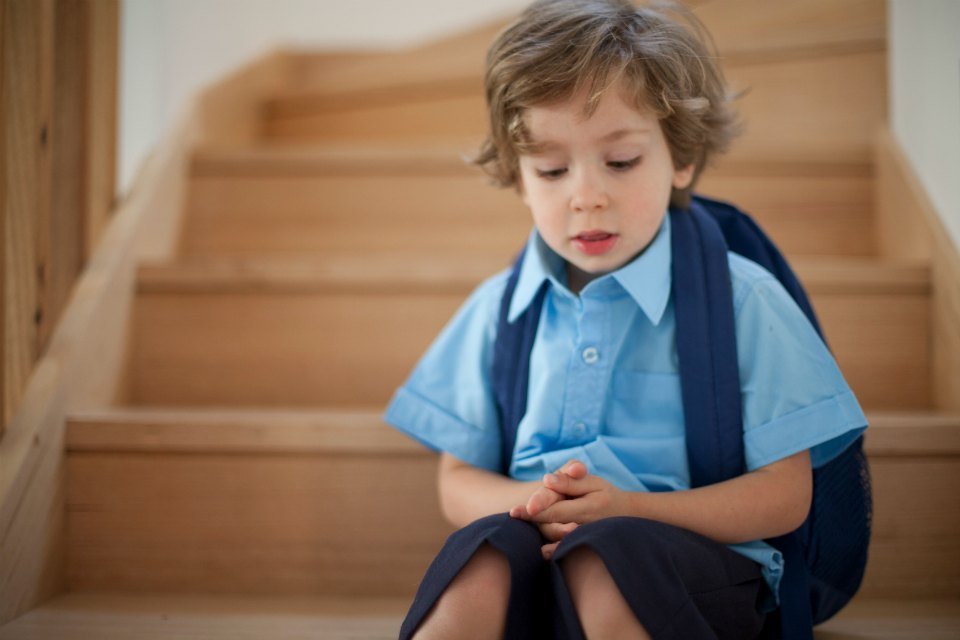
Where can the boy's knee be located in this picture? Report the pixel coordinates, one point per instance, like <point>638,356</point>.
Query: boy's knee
<point>478,595</point>
<point>486,575</point>
<point>602,609</point>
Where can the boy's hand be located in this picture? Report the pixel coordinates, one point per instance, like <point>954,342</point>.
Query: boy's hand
<point>544,498</point>
<point>589,498</point>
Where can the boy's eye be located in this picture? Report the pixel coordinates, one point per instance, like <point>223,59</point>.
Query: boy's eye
<point>624,165</point>
<point>551,174</point>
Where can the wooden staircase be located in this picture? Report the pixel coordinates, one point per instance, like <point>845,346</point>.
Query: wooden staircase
<point>245,486</point>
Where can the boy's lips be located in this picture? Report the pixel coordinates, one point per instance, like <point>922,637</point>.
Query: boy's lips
<point>595,242</point>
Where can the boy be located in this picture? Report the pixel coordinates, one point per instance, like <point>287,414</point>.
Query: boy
<point>603,116</point>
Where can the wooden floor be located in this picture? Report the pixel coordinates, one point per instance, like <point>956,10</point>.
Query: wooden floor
<point>169,617</point>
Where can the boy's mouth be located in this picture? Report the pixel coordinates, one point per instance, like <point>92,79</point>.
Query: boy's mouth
<point>595,243</point>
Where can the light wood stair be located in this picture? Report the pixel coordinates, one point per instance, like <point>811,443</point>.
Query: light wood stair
<point>262,501</point>
<point>244,486</point>
<point>379,313</point>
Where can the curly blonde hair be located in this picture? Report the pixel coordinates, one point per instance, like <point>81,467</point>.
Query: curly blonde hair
<point>558,48</point>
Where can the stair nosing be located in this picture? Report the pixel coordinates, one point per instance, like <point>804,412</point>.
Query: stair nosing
<point>251,431</point>
<point>449,159</point>
<point>362,431</point>
<point>399,274</point>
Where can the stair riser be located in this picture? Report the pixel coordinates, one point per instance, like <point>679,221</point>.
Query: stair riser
<point>365,524</point>
<point>318,524</point>
<point>834,117</point>
<point>256,214</point>
<point>275,349</point>
<point>354,349</point>
<point>915,550</point>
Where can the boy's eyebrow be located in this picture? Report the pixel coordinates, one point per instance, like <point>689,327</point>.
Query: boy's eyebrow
<point>623,133</point>
<point>537,147</point>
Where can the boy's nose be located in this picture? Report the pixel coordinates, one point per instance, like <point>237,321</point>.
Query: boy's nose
<point>588,196</point>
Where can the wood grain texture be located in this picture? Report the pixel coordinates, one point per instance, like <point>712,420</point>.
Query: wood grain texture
<point>910,228</point>
<point>4,89</point>
<point>825,109</point>
<point>743,30</point>
<point>82,367</point>
<point>229,111</point>
<point>101,123</point>
<point>60,166</point>
<point>325,524</point>
<point>946,321</point>
<point>169,500</point>
<point>797,110</point>
<point>114,616</point>
<point>261,202</point>
<point>222,431</point>
<point>754,30</point>
<point>63,249</point>
<point>27,76</point>
<point>915,550</point>
<point>317,335</point>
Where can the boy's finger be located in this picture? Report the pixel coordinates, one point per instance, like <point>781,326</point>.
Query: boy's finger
<point>520,512</point>
<point>548,550</point>
<point>569,486</point>
<point>541,499</point>
<point>563,511</point>
<point>574,469</point>
<point>555,532</point>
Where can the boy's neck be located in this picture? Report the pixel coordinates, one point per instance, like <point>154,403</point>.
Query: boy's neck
<point>577,279</point>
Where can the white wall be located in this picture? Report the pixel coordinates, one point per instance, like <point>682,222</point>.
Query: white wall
<point>924,50</point>
<point>172,48</point>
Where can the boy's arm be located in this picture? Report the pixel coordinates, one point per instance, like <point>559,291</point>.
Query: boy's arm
<point>468,493</point>
<point>764,503</point>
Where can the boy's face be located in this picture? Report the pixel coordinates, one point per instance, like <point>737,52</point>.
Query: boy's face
<point>598,186</point>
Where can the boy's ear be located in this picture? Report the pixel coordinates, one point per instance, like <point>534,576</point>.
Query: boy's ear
<point>683,177</point>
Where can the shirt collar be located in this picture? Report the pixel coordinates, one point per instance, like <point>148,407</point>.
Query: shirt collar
<point>647,278</point>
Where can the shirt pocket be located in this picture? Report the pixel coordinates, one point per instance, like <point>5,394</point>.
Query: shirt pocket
<point>645,405</point>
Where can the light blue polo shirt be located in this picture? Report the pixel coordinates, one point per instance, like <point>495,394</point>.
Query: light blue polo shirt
<point>604,380</point>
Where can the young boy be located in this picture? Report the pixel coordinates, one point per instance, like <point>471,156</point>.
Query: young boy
<point>603,116</point>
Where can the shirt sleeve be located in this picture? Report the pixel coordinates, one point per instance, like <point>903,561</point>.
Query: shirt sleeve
<point>447,403</point>
<point>794,396</point>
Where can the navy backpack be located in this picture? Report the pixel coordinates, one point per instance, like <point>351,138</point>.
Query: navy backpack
<point>824,559</point>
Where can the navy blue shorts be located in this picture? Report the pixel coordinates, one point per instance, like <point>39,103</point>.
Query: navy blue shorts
<point>678,583</point>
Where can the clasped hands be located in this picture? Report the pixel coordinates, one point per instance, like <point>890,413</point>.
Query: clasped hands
<point>568,498</point>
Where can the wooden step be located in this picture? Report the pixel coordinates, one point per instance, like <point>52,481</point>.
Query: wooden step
<point>332,502</point>
<point>801,110</point>
<point>262,202</point>
<point>347,330</point>
<point>815,73</point>
<point>115,616</point>
<point>105,616</point>
<point>271,502</point>
<point>122,616</point>
<point>742,30</point>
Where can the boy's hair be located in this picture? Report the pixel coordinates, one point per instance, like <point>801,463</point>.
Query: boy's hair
<point>558,48</point>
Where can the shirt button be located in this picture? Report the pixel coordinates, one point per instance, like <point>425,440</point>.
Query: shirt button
<point>579,430</point>
<point>590,355</point>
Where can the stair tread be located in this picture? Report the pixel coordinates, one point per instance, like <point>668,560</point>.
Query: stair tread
<point>106,616</point>
<point>790,30</point>
<point>270,158</point>
<point>363,431</point>
<point>396,271</point>
<point>230,430</point>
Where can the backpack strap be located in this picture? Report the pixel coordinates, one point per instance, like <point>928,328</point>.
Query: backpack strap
<point>510,370</point>
<point>706,348</point>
